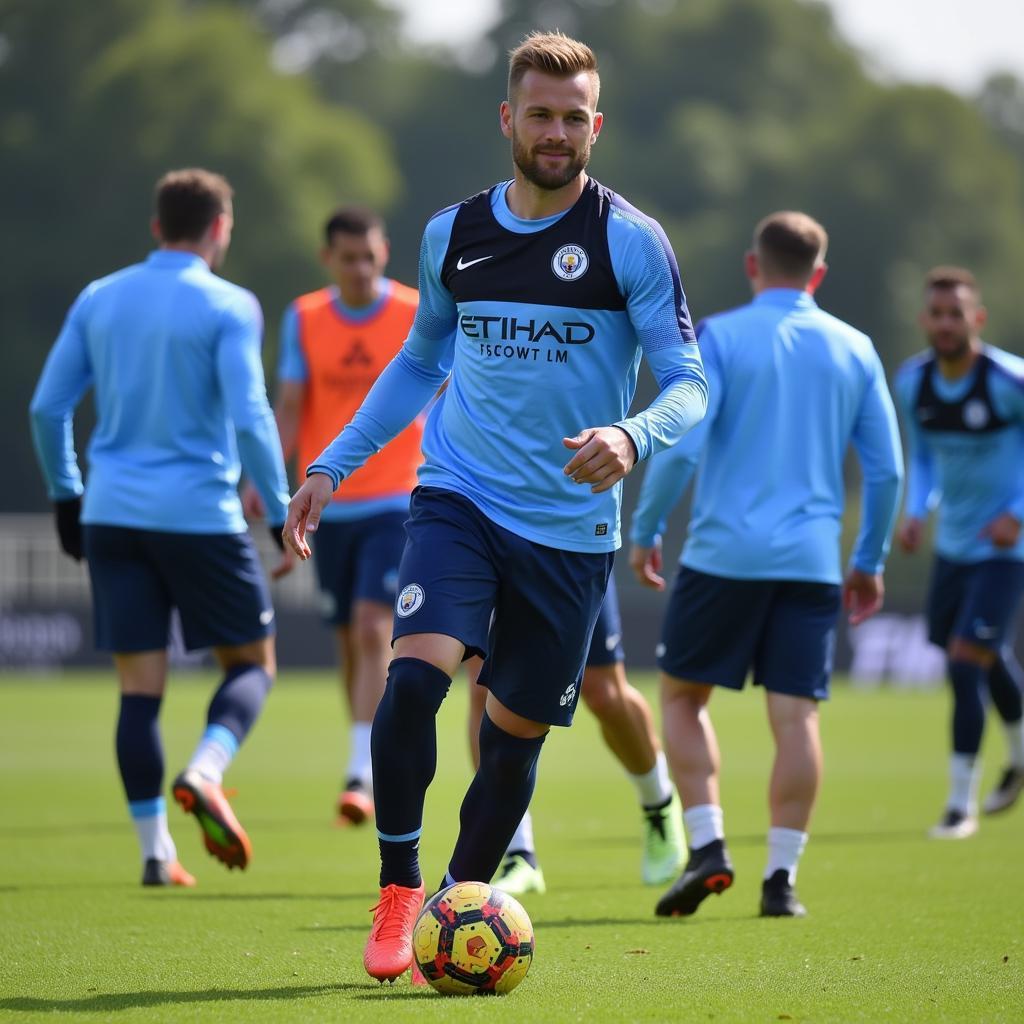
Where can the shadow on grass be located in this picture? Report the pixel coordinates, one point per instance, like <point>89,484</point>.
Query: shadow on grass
<point>109,1002</point>
<point>66,829</point>
<point>901,835</point>
<point>256,897</point>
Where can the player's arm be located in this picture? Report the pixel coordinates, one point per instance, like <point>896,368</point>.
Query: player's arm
<point>1008,396</point>
<point>876,440</point>
<point>407,385</point>
<point>292,375</point>
<point>66,377</point>
<point>922,494</point>
<point>645,269</point>
<point>241,380</point>
<point>668,475</point>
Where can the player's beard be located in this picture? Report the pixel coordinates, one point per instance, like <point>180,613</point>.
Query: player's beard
<point>950,346</point>
<point>527,161</point>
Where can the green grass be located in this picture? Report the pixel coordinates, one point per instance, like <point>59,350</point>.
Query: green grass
<point>899,928</point>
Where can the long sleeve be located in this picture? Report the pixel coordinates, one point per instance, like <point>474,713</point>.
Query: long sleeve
<point>240,374</point>
<point>66,377</point>
<point>876,440</point>
<point>922,495</point>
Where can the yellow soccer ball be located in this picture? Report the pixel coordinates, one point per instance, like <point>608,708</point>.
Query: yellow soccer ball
<point>472,939</point>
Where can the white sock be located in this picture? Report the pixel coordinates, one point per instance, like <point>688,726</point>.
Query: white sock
<point>215,752</point>
<point>359,764</point>
<point>654,788</point>
<point>150,820</point>
<point>522,841</point>
<point>1015,742</point>
<point>963,784</point>
<point>704,824</point>
<point>785,845</point>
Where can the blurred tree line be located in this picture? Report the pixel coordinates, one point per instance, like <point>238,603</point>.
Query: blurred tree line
<point>717,111</point>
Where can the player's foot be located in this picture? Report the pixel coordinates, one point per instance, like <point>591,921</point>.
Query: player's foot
<point>664,842</point>
<point>778,897</point>
<point>1005,795</point>
<point>355,805</point>
<point>417,978</point>
<point>165,872</point>
<point>388,951</point>
<point>517,876</point>
<point>708,871</point>
<point>222,834</point>
<point>954,825</point>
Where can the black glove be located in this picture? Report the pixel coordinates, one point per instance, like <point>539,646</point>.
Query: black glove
<point>69,526</point>
<point>276,533</point>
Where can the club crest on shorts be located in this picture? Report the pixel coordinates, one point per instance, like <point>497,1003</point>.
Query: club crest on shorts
<point>570,263</point>
<point>976,414</point>
<point>409,600</point>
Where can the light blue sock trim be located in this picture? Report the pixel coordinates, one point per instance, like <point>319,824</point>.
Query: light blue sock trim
<point>448,880</point>
<point>399,839</point>
<point>223,737</point>
<point>147,808</point>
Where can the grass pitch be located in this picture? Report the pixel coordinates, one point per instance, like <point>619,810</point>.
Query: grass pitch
<point>900,928</point>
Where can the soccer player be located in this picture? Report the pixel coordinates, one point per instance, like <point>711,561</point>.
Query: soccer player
<point>963,406</point>
<point>173,354</point>
<point>334,344</point>
<point>628,730</point>
<point>758,586</point>
<point>539,296</point>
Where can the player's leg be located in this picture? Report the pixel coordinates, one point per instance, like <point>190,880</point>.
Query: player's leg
<point>221,593</point>
<point>794,665</point>
<point>711,631</point>
<point>446,592</point>
<point>628,730</point>
<point>519,871</point>
<point>131,617</point>
<point>547,604</point>
<point>377,553</point>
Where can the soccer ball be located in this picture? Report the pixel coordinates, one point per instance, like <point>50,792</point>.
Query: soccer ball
<point>471,939</point>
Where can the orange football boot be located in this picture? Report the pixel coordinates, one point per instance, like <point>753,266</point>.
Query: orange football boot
<point>388,951</point>
<point>355,805</point>
<point>223,836</point>
<point>162,872</point>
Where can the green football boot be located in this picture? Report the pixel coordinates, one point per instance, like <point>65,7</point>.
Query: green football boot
<point>517,876</point>
<point>664,842</point>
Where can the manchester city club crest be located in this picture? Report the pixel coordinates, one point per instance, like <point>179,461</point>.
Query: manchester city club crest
<point>570,262</point>
<point>409,600</point>
<point>976,414</point>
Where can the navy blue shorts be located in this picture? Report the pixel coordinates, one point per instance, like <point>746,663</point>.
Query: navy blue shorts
<point>974,601</point>
<point>459,566</point>
<point>214,580</point>
<point>358,561</point>
<point>716,630</point>
<point>606,643</point>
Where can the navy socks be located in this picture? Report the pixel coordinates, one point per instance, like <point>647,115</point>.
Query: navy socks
<point>140,754</point>
<point>968,681</point>
<point>403,744</point>
<point>239,699</point>
<point>1006,684</point>
<point>495,803</point>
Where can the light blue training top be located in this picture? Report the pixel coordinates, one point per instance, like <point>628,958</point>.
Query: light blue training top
<point>971,478</point>
<point>516,389</point>
<point>790,388</point>
<point>173,353</point>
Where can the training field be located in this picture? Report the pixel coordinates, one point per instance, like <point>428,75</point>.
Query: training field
<point>899,928</point>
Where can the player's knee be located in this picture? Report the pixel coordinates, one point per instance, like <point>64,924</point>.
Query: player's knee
<point>504,756</point>
<point>601,693</point>
<point>415,687</point>
<point>690,697</point>
<point>370,631</point>
<point>961,650</point>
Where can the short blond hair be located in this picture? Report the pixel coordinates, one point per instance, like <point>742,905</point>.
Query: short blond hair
<point>552,53</point>
<point>790,243</point>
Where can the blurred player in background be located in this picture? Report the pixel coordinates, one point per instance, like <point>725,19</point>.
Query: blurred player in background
<point>538,296</point>
<point>790,388</point>
<point>173,354</point>
<point>628,730</point>
<point>963,406</point>
<point>334,344</point>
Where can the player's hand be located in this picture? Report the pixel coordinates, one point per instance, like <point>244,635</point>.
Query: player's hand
<point>253,507</point>
<point>287,560</point>
<point>69,526</point>
<point>909,534</point>
<point>1003,531</point>
<point>604,455</point>
<point>863,594</point>
<point>304,512</point>
<point>646,565</point>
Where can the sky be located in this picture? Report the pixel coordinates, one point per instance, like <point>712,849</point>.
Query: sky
<point>955,43</point>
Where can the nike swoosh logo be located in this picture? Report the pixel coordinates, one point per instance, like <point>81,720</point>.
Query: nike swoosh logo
<point>463,264</point>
